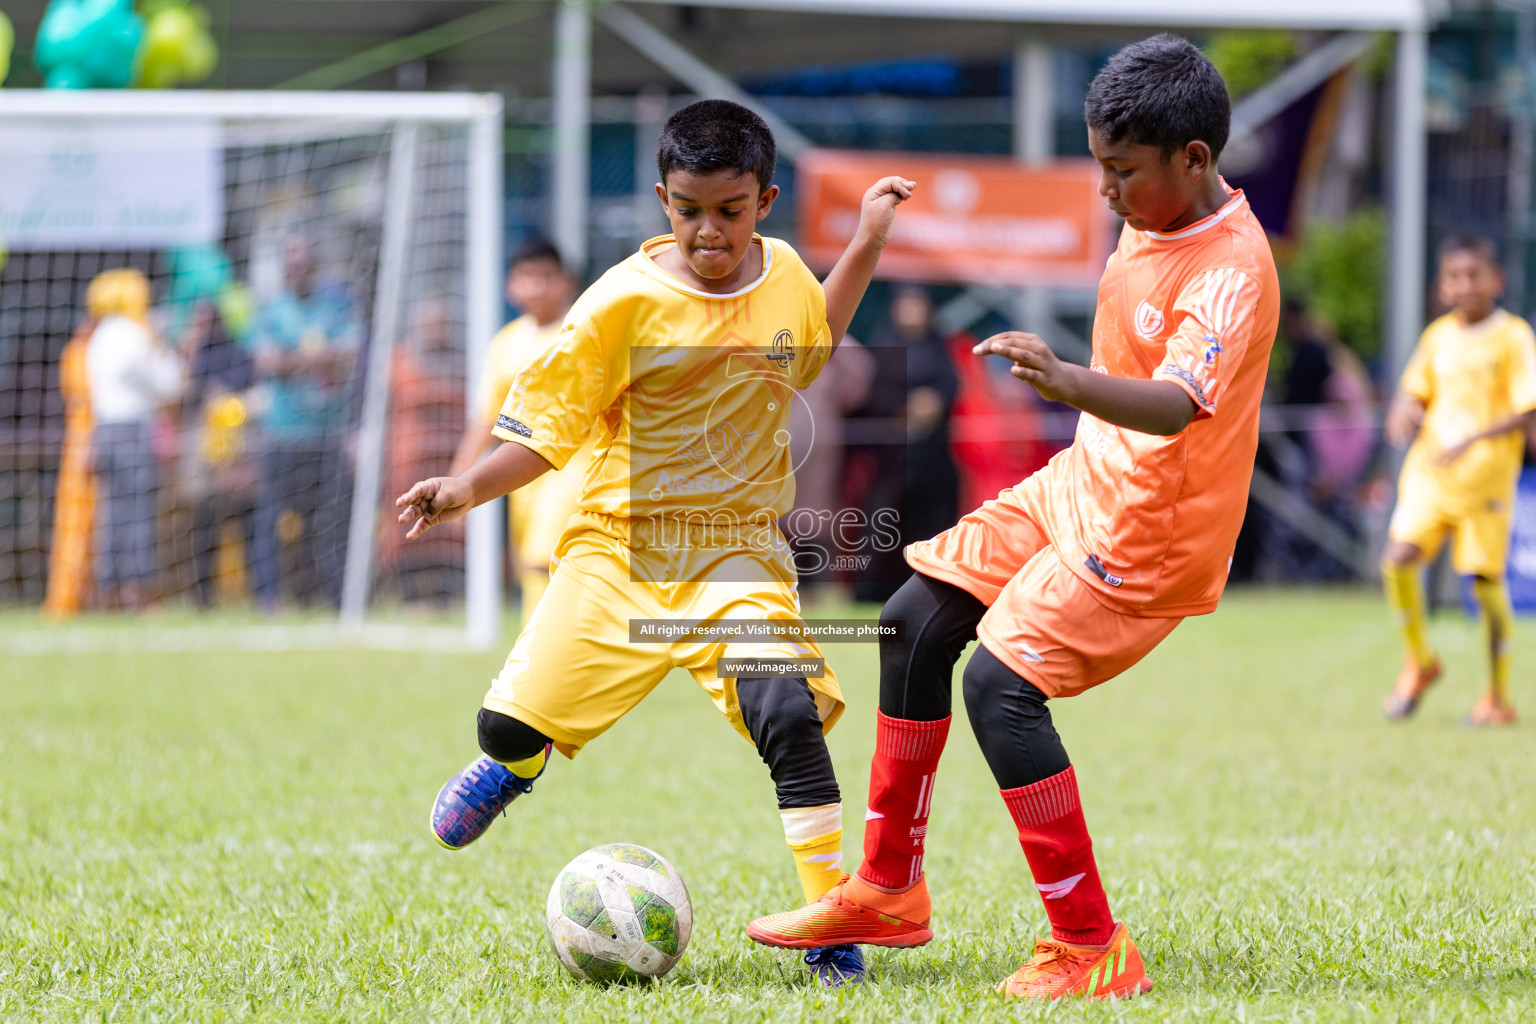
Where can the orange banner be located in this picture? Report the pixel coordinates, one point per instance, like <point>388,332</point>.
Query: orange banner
<point>977,220</point>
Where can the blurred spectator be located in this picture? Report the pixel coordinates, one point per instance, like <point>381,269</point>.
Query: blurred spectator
<point>816,451</point>
<point>426,397</point>
<point>916,383</point>
<point>222,475</point>
<point>130,376</point>
<point>997,426</point>
<point>305,342</point>
<point>74,501</point>
<point>540,286</point>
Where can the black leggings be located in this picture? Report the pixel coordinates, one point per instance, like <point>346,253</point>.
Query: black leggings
<point>1007,712</point>
<point>780,714</point>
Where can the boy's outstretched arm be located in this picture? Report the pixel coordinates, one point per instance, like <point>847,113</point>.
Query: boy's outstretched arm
<point>1148,406</point>
<point>443,498</point>
<point>846,285</point>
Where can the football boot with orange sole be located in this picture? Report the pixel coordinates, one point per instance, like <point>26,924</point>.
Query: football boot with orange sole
<point>1489,712</point>
<point>1412,681</point>
<point>853,911</point>
<point>1063,969</point>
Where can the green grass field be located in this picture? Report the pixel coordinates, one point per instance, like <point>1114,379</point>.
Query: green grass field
<point>221,836</point>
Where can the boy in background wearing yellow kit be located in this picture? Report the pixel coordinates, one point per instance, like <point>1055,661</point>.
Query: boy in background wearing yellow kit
<point>540,286</point>
<point>1468,394</point>
<point>685,357</point>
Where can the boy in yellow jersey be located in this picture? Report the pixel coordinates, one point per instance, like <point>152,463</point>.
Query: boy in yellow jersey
<point>540,286</point>
<point>685,357</point>
<point>1468,394</point>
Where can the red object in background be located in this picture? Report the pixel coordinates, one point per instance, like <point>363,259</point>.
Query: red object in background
<point>995,428</point>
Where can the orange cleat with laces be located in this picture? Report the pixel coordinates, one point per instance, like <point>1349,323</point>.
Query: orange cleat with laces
<point>851,911</point>
<point>1411,684</point>
<point>1059,969</point>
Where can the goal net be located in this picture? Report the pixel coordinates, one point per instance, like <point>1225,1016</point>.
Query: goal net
<point>232,327</point>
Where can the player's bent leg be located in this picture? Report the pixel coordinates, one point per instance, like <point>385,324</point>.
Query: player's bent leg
<point>886,903</point>
<point>1013,727</point>
<point>781,717</point>
<point>515,755</point>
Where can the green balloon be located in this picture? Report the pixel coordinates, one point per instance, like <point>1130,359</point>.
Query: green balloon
<point>177,48</point>
<point>7,41</point>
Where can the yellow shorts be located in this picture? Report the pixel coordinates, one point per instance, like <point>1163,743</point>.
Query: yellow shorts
<point>574,670</point>
<point>1425,513</point>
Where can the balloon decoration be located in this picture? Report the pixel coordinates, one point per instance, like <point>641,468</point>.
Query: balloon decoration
<point>106,44</point>
<point>89,44</point>
<point>7,40</point>
<point>177,47</point>
<point>202,273</point>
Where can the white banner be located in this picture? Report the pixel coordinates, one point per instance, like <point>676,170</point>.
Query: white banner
<point>77,183</point>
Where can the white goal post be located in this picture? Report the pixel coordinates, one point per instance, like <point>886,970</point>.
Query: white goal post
<point>417,177</point>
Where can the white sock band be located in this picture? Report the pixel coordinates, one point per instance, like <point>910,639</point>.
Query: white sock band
<point>802,824</point>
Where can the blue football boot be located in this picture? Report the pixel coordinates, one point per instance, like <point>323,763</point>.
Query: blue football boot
<point>836,966</point>
<point>471,800</point>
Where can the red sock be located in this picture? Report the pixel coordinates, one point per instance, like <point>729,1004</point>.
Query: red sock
<point>1060,854</point>
<point>900,794</point>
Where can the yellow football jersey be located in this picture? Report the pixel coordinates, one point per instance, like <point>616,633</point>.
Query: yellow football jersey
<point>1470,378</point>
<point>690,391</point>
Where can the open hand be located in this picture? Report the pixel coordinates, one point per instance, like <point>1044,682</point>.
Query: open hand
<point>1034,363</point>
<point>433,501</point>
<point>877,214</point>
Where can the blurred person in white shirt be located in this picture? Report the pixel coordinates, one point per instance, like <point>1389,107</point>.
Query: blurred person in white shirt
<point>131,376</point>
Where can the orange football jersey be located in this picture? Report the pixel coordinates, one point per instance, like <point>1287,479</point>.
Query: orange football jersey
<point>1149,522</point>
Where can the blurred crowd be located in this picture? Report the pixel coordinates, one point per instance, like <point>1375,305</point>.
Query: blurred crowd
<point>211,451</point>
<point>210,446</point>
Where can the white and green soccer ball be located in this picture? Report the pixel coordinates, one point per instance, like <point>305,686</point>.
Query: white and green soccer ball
<point>619,913</point>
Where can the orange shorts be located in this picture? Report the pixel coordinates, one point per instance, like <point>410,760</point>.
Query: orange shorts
<point>1041,621</point>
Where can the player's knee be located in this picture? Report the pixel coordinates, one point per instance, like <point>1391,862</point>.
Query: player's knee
<point>777,710</point>
<point>505,739</point>
<point>988,683</point>
<point>1012,723</point>
<point>1400,555</point>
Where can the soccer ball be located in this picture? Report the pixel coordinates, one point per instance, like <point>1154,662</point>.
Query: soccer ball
<point>619,912</point>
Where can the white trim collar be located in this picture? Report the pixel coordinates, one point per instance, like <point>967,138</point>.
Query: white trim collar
<point>673,282</point>
<point>1220,215</point>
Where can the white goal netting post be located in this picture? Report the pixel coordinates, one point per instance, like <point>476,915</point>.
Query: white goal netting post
<point>323,276</point>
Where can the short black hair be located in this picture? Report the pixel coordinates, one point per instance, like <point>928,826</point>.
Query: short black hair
<point>714,135</point>
<point>537,248</point>
<point>1478,245</point>
<point>1160,92</point>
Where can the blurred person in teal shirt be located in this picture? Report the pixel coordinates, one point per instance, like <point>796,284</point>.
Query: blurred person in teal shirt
<point>305,342</point>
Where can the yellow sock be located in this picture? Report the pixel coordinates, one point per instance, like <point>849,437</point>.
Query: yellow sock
<point>815,837</point>
<point>528,767</point>
<point>1405,593</point>
<point>1498,624</point>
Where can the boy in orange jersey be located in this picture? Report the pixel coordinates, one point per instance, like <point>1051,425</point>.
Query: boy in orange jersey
<point>1075,574</point>
<point>1465,401</point>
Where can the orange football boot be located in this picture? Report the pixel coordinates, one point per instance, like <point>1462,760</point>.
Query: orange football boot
<point>1059,969</point>
<point>1412,681</point>
<point>1490,712</point>
<point>851,911</point>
